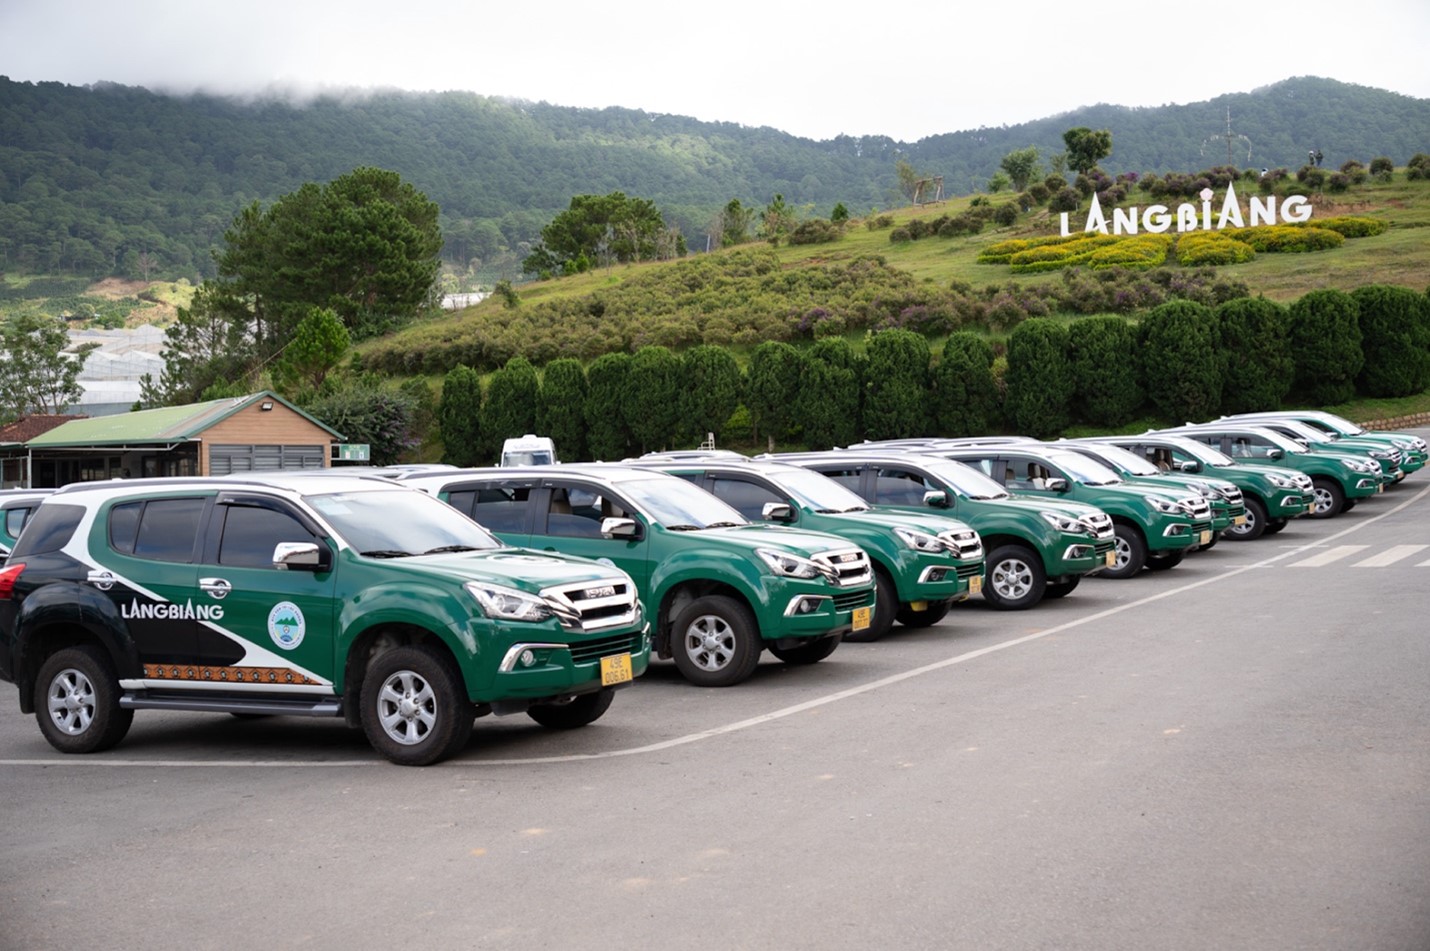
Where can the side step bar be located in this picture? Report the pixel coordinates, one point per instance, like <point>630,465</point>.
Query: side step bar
<point>327,707</point>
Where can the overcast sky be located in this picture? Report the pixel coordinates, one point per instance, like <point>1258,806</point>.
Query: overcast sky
<point>907,70</point>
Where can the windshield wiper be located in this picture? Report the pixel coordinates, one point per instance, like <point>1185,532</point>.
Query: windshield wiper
<point>723,525</point>
<point>855,508</point>
<point>447,548</point>
<point>387,553</point>
<point>682,528</point>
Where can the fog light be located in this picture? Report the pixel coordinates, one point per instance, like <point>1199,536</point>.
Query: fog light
<point>527,658</point>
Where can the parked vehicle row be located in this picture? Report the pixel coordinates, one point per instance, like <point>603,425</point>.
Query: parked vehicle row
<point>412,600</point>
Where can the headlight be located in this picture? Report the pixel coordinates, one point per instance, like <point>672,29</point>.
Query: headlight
<point>919,541</point>
<point>1205,490</point>
<point>1402,444</point>
<point>1281,482</point>
<point>1165,506</point>
<point>791,566</point>
<point>508,604</point>
<point>1381,454</point>
<point>1064,523</point>
<point>1360,465</point>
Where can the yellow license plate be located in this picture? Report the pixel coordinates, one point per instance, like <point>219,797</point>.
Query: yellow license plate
<point>1239,521</point>
<point>616,669</point>
<point>918,605</point>
<point>862,618</point>
<point>975,584</point>
<point>1111,559</point>
<point>1205,538</point>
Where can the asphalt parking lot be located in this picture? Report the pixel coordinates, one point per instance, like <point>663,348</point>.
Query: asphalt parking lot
<point>1231,754</point>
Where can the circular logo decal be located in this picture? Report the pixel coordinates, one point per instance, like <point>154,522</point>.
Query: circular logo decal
<point>285,625</point>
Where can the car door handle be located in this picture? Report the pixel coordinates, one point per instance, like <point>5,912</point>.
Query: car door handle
<point>103,580</point>
<point>216,587</point>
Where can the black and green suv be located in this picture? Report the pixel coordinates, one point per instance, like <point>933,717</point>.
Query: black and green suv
<point>1035,548</point>
<point>719,590</point>
<point>923,562</point>
<point>1272,495</point>
<point>1414,450</point>
<point>292,594</point>
<point>1152,528</point>
<point>15,508</point>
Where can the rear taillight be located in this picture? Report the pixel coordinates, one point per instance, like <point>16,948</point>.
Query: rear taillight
<point>8,577</point>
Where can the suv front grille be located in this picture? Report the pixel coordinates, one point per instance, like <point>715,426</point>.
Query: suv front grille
<point>1232,496</point>
<point>1199,509</point>
<point>845,568</point>
<point>852,599</point>
<point>1100,524</point>
<point>967,546</point>
<point>595,605</point>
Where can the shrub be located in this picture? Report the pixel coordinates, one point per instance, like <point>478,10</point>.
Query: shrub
<point>1339,182</point>
<point>1064,199</point>
<point>827,407</point>
<point>1181,371</point>
<point>1382,167</point>
<point>1395,339</point>
<point>459,415</point>
<point>563,398</point>
<point>1254,340</point>
<point>965,398</point>
<point>840,214</point>
<point>1039,192</point>
<point>1348,226</point>
<point>1287,238</point>
<point>900,236</point>
<point>877,222</point>
<point>607,435</point>
<point>1137,251</point>
<point>651,398</point>
<point>771,389</point>
<point>1039,379</point>
<point>1005,214</point>
<point>711,386</point>
<point>815,231</point>
<point>1326,346</point>
<point>1206,248</point>
<point>896,385</point>
<point>513,393</point>
<point>1102,359</point>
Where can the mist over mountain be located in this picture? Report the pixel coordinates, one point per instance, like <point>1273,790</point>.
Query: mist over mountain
<point>111,179</point>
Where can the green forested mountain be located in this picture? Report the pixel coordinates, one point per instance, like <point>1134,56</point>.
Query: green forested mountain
<point>111,179</point>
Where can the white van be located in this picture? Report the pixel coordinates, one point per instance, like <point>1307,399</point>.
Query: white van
<point>528,450</point>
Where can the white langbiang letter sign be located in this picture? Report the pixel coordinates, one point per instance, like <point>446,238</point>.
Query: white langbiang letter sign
<point>1156,219</point>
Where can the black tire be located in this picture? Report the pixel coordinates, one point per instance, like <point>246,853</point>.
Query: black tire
<point>1276,524</point>
<point>1330,498</point>
<point>811,651</point>
<point>1348,504</point>
<point>1164,562</point>
<point>414,708</point>
<point>1061,589</point>
<point>1255,525</point>
<point>1131,552</point>
<point>1013,578</point>
<point>715,641</point>
<point>886,606</point>
<point>573,713</point>
<point>77,701</point>
<point>928,617</point>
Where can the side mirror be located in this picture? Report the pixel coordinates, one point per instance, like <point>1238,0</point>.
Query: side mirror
<point>1276,454</point>
<point>1056,484</point>
<point>1189,465</point>
<point>777,512</point>
<point>936,499</point>
<point>302,556</point>
<point>620,528</point>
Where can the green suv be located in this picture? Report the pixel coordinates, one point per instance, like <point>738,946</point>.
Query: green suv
<point>1152,528</point>
<point>1036,548</point>
<point>15,508</point>
<point>1228,508</point>
<point>292,594</point>
<point>922,562</point>
<point>1413,450</point>
<point>1336,477</point>
<point>1272,495</point>
<point>719,590</point>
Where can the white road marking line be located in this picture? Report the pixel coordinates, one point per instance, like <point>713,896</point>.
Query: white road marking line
<point>1390,556</point>
<point>1326,557</point>
<point>63,760</point>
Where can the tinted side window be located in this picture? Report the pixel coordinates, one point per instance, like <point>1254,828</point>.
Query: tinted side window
<point>747,498</point>
<point>49,529</point>
<point>498,509</point>
<point>15,521</point>
<point>250,534</point>
<point>167,529</point>
<point>577,513</point>
<point>849,478</point>
<point>899,487</point>
<point>124,525</point>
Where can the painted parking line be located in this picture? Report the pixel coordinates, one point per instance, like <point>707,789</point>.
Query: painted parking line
<point>1390,556</point>
<point>60,760</point>
<point>1327,557</point>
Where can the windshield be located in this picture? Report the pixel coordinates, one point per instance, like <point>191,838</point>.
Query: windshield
<point>1279,441</point>
<point>1304,432</point>
<point>966,480</point>
<point>819,492</point>
<point>676,504</point>
<point>388,523</point>
<point>1124,460</point>
<point>527,457</point>
<point>1085,470</point>
<point>1202,452</point>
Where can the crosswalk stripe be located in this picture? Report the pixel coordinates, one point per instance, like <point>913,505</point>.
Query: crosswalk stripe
<point>1328,556</point>
<point>1390,556</point>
